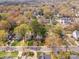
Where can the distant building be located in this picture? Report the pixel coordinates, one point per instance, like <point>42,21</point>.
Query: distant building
<point>65,20</point>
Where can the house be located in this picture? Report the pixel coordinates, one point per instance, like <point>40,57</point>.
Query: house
<point>38,37</point>
<point>66,20</point>
<point>37,12</point>
<point>44,56</point>
<point>77,13</point>
<point>42,20</point>
<point>18,37</point>
<point>75,34</point>
<point>76,19</point>
<point>74,57</point>
<point>29,36</point>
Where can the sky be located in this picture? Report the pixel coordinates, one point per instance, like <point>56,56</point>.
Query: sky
<point>14,0</point>
<point>34,0</point>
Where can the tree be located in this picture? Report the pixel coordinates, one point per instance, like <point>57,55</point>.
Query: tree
<point>57,29</point>
<point>53,40</point>
<point>22,30</point>
<point>64,9</point>
<point>28,14</point>
<point>47,11</point>
<point>4,24</point>
<point>3,37</point>
<point>38,28</point>
<point>3,16</point>
<point>20,19</point>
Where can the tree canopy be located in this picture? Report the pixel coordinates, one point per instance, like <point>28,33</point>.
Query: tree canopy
<point>3,37</point>
<point>38,28</point>
<point>22,29</point>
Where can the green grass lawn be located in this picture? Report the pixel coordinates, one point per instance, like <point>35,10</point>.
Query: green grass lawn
<point>12,54</point>
<point>19,43</point>
<point>2,54</point>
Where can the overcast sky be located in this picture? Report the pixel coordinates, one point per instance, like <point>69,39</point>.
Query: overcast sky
<point>14,0</point>
<point>20,0</point>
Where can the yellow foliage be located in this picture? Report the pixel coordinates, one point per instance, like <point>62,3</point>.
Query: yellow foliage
<point>4,24</point>
<point>53,40</point>
<point>28,14</point>
<point>3,34</point>
<point>20,19</point>
<point>57,29</point>
<point>47,10</point>
<point>64,9</point>
<point>4,14</point>
<point>23,29</point>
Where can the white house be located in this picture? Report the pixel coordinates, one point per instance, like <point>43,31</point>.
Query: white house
<point>75,34</point>
<point>65,20</point>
